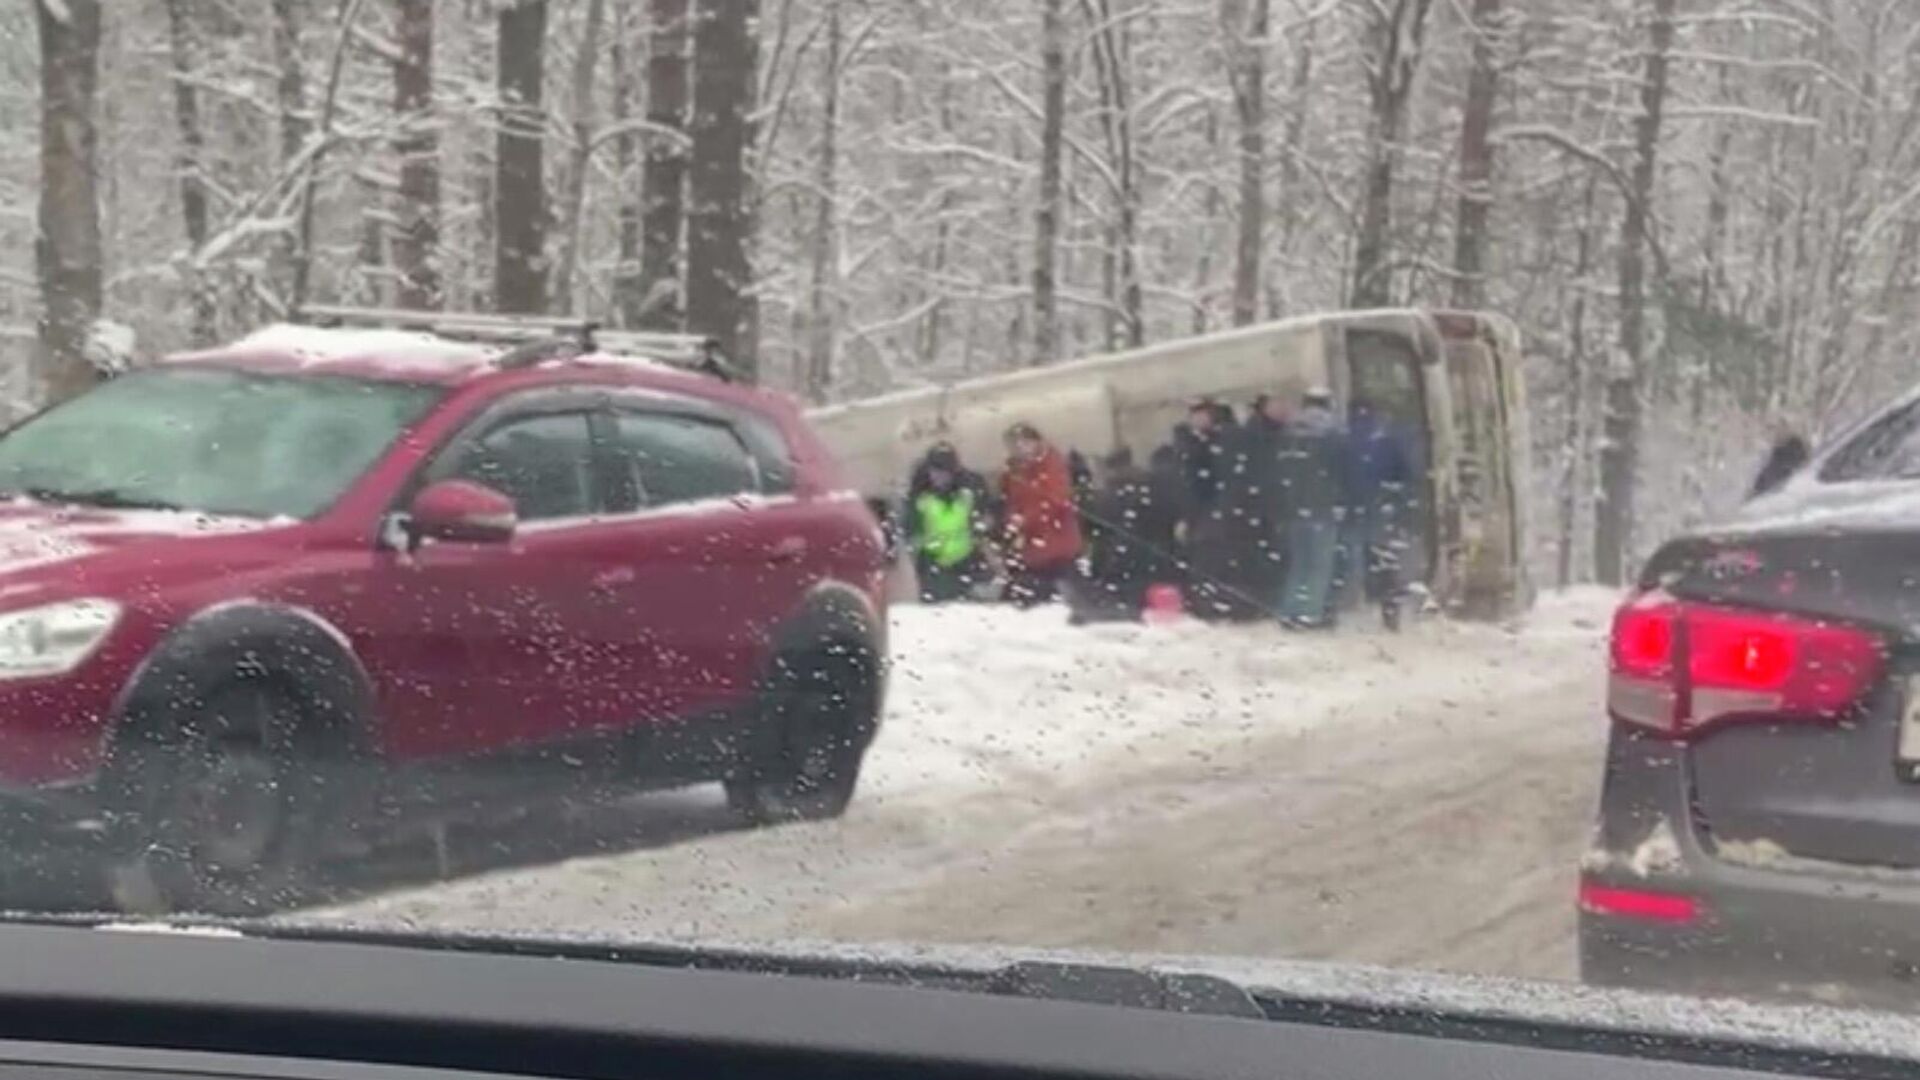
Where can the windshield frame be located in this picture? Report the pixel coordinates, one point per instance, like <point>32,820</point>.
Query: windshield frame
<point>434,396</point>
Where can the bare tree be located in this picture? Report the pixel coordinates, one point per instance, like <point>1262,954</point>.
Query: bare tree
<point>520,190</point>
<point>1476,161</point>
<point>626,148</point>
<point>184,46</point>
<point>1620,450</point>
<point>822,271</point>
<point>290,88</point>
<point>720,224</point>
<point>416,247</point>
<point>1046,216</point>
<point>1245,23</point>
<point>323,140</point>
<point>657,301</point>
<point>1396,33</point>
<point>1112,56</point>
<point>68,249</point>
<point>579,155</point>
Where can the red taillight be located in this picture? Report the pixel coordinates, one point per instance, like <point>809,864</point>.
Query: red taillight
<point>1678,666</point>
<point>1643,904</point>
<point>1643,636</point>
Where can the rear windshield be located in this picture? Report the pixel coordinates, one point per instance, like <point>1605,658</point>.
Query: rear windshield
<point>219,441</point>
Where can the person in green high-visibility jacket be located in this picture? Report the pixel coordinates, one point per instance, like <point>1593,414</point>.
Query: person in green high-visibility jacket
<point>946,516</point>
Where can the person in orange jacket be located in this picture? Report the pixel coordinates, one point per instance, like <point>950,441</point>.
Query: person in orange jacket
<point>1042,522</point>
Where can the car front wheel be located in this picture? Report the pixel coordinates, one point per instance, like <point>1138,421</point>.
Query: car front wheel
<point>217,808</point>
<point>818,713</point>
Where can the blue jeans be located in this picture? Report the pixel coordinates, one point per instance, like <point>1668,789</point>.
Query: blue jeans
<point>1312,544</point>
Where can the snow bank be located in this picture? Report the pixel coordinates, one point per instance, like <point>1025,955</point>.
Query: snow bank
<point>987,697</point>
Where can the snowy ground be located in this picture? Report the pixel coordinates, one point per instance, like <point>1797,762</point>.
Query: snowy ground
<point>1412,800</point>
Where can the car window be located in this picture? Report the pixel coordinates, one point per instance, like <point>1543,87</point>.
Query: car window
<point>1888,449</point>
<point>677,459</point>
<point>219,441</point>
<point>543,463</point>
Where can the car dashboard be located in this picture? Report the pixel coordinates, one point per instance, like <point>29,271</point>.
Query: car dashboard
<point>88,1004</point>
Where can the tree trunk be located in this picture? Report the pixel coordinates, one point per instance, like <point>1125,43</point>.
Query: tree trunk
<point>329,99</point>
<point>1126,320</point>
<point>1046,218</point>
<point>1211,208</point>
<point>659,298</point>
<point>1290,201</point>
<point>183,39</point>
<point>1395,33</point>
<point>1572,476</point>
<point>1246,28</point>
<point>580,156</point>
<point>822,275</point>
<point>719,276</point>
<point>1620,453</point>
<point>626,276</point>
<point>1476,162</point>
<point>519,189</point>
<point>416,247</point>
<point>67,252</point>
<point>290,89</point>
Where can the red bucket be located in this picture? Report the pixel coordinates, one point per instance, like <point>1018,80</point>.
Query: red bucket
<point>1164,604</point>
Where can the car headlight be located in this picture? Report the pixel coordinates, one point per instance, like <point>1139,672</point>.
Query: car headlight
<point>54,639</point>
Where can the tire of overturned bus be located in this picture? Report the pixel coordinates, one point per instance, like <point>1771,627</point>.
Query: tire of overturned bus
<point>816,716</point>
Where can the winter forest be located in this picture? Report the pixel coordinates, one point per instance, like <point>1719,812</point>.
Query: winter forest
<point>1703,214</point>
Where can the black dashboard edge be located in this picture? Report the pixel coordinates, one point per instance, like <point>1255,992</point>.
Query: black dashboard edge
<point>552,1015</point>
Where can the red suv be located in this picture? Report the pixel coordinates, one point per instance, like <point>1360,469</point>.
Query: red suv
<point>258,603</point>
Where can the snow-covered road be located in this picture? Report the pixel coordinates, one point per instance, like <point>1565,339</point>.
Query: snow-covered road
<point>1416,800</point>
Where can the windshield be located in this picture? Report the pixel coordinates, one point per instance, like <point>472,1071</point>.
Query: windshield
<point>1424,485</point>
<point>223,442</point>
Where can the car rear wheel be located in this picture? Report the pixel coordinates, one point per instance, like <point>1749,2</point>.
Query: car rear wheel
<point>819,715</point>
<point>220,808</point>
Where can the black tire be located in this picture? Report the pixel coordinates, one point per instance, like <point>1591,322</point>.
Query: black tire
<point>216,808</point>
<point>818,714</point>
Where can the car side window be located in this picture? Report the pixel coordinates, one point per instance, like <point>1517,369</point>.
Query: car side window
<point>677,459</point>
<point>1887,450</point>
<point>543,463</point>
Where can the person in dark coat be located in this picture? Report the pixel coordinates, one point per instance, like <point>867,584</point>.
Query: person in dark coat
<point>1215,526</point>
<point>1255,506</point>
<point>946,517</point>
<point>1313,472</point>
<point>1131,520</point>
<point>1380,485</point>
<point>1202,442</point>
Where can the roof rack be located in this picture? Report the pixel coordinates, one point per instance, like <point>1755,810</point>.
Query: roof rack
<point>533,338</point>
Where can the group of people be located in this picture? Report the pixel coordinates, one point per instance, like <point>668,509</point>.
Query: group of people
<point>1269,516</point>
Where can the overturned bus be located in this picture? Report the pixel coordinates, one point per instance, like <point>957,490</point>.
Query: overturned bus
<point>1450,381</point>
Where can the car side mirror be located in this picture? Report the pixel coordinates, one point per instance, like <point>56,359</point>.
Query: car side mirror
<point>463,510</point>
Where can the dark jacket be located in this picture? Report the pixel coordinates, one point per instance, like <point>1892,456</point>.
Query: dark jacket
<point>1203,460</point>
<point>1380,466</point>
<point>1314,466</point>
<point>1131,522</point>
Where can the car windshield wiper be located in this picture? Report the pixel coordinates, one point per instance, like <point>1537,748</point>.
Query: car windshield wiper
<point>106,498</point>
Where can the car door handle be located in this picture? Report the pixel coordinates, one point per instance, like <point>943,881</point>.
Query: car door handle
<point>789,549</point>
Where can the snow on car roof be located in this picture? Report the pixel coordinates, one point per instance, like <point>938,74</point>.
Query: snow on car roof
<point>399,355</point>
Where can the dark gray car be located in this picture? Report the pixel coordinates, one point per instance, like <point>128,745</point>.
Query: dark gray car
<point>1759,827</point>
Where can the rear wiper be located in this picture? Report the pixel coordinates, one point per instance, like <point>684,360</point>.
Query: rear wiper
<point>105,498</point>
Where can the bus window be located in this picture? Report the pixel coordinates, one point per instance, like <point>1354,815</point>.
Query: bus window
<point>1383,368</point>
